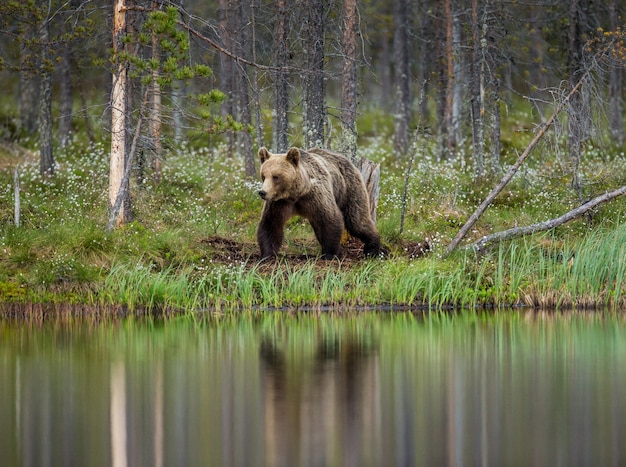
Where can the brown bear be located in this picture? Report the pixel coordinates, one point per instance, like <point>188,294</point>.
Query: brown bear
<point>323,187</point>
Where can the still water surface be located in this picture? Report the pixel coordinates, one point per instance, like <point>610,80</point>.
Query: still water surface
<point>510,388</point>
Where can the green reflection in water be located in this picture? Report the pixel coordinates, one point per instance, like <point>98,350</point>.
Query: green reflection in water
<point>514,388</point>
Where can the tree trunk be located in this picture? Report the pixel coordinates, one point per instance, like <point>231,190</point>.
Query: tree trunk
<point>46,161</point>
<point>349,80</point>
<point>85,112</point>
<point>66,96</point>
<point>29,84</point>
<point>495,63</point>
<point>402,75</point>
<point>16,198</point>
<point>227,66</point>
<point>425,68</point>
<point>370,171</point>
<point>384,72</point>
<point>451,120</point>
<point>496,124</point>
<point>579,115</point>
<point>538,72</point>
<point>118,114</point>
<point>281,79</point>
<point>255,79</point>
<point>616,86</point>
<point>313,76</point>
<point>477,86</point>
<point>156,113</point>
<point>243,18</point>
<point>178,92</point>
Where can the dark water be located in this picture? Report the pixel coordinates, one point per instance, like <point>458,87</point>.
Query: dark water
<point>512,388</point>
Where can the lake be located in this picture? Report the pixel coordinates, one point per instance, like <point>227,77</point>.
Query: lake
<point>505,388</point>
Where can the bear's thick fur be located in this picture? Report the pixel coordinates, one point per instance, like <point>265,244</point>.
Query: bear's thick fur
<point>323,187</point>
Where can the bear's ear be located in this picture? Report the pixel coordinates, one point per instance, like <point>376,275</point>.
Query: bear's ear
<point>264,154</point>
<point>293,156</point>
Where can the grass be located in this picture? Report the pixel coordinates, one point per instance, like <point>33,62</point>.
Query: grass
<point>165,258</point>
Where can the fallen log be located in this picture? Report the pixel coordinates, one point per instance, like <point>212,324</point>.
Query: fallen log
<point>549,224</point>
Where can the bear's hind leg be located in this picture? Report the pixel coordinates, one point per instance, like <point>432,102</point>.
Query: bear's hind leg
<point>359,224</point>
<point>328,234</point>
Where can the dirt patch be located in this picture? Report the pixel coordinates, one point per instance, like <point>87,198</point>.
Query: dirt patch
<point>227,251</point>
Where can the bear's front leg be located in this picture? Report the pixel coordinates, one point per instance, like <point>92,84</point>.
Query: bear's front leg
<point>328,232</point>
<point>270,231</point>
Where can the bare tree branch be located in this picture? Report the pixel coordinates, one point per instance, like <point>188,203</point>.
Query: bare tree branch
<point>512,171</point>
<point>208,40</point>
<point>549,224</point>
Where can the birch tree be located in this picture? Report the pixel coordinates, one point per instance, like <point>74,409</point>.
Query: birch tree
<point>155,122</point>
<point>118,115</point>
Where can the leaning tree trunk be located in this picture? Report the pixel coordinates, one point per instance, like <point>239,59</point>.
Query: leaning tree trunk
<point>512,171</point>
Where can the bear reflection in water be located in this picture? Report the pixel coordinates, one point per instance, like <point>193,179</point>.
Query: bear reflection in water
<point>316,405</point>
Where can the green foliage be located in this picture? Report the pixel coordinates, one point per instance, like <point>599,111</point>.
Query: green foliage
<point>164,59</point>
<point>18,17</point>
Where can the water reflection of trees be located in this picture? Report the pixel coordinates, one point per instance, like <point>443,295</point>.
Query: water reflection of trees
<point>305,394</point>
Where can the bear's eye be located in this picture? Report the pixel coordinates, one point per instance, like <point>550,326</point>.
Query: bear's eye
<point>275,178</point>
<point>262,178</point>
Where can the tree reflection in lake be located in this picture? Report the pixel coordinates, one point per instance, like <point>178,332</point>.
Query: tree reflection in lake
<point>513,388</point>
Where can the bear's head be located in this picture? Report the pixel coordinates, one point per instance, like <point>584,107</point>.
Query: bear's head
<point>282,176</point>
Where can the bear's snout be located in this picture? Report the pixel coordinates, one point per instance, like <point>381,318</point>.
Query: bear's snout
<point>262,194</point>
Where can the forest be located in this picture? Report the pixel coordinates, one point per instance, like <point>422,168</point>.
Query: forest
<point>141,98</point>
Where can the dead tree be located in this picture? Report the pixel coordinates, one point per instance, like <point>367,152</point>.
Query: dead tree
<point>513,170</point>
<point>549,224</point>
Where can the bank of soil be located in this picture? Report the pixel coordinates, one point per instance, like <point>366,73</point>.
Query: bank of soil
<point>227,251</point>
